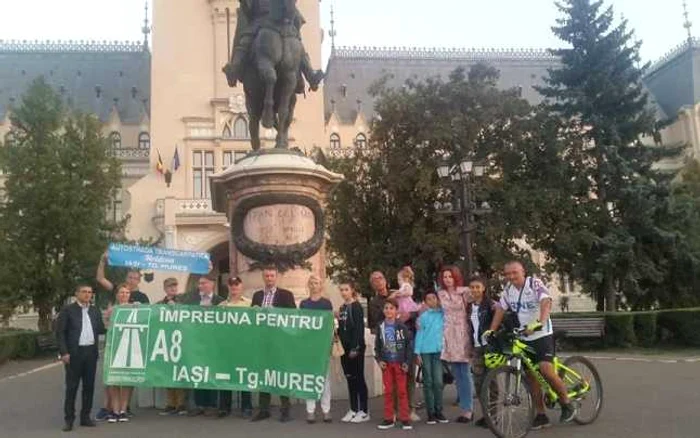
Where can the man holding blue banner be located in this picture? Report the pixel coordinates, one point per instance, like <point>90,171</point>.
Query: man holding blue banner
<point>133,278</point>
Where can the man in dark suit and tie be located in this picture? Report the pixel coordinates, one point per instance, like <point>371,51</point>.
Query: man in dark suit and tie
<point>272,296</point>
<point>205,400</point>
<point>78,328</point>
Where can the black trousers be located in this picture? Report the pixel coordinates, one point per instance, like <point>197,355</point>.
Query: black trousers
<point>82,368</point>
<point>226,399</point>
<point>264,399</point>
<point>354,369</point>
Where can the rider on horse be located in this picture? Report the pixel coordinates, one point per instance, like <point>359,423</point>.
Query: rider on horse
<point>273,14</point>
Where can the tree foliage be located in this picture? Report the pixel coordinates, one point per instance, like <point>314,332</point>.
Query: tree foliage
<point>60,179</point>
<point>613,238</point>
<point>383,215</point>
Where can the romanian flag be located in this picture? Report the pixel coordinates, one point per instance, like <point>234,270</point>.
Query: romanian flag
<point>159,164</point>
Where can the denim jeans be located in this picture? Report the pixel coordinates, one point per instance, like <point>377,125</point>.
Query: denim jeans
<point>432,382</point>
<point>463,381</point>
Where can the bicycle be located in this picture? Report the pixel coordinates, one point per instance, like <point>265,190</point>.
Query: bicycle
<point>506,396</point>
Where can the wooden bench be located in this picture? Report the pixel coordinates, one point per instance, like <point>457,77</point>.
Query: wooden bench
<point>46,342</point>
<point>583,327</point>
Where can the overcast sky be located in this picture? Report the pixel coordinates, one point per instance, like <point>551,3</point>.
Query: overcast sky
<point>436,23</point>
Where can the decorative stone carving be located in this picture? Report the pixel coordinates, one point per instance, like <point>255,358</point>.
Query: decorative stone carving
<point>279,229</point>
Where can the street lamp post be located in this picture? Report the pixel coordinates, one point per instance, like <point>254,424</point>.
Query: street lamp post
<point>463,175</point>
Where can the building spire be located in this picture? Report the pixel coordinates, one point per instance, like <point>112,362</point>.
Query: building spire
<point>146,29</point>
<point>332,32</point>
<point>687,24</point>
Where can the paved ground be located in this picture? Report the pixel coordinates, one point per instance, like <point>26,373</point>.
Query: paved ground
<point>643,399</point>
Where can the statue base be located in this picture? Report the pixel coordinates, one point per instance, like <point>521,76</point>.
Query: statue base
<point>275,200</point>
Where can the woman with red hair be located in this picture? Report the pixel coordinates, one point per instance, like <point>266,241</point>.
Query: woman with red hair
<point>457,345</point>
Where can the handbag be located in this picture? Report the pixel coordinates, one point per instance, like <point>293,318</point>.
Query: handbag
<point>337,349</point>
<point>447,377</point>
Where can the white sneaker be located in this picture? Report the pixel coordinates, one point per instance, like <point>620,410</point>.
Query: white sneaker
<point>415,418</point>
<point>360,417</point>
<point>349,417</point>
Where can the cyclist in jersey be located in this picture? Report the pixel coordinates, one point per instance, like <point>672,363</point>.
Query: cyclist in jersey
<point>529,299</point>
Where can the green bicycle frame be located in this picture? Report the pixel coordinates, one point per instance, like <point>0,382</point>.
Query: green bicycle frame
<point>569,376</point>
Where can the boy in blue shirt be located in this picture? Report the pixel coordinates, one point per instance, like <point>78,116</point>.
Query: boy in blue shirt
<point>392,350</point>
<point>428,347</point>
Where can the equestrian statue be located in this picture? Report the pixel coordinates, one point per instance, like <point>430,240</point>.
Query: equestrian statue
<point>269,59</point>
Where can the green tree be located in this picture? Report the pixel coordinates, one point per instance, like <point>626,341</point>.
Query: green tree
<point>383,215</point>
<point>60,178</point>
<point>611,237</point>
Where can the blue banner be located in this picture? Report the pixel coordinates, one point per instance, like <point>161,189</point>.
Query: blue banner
<point>157,259</point>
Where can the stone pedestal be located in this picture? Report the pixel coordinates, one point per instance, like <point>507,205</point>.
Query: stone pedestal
<point>275,202</point>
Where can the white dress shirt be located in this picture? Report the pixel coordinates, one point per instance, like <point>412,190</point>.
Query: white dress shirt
<point>87,335</point>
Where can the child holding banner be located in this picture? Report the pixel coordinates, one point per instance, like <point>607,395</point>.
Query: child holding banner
<point>316,301</point>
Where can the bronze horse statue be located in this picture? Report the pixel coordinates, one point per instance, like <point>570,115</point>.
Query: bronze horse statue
<point>268,58</point>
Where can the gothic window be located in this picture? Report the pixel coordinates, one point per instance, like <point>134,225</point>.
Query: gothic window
<point>361,141</point>
<point>227,131</point>
<point>202,169</point>
<point>240,129</point>
<point>115,140</point>
<point>233,157</point>
<point>144,140</point>
<point>335,141</point>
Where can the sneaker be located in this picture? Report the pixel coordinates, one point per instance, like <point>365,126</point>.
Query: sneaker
<point>464,420</point>
<point>481,422</point>
<point>102,414</point>
<point>181,411</point>
<point>196,412</point>
<point>441,418</point>
<point>406,425</point>
<point>260,416</point>
<point>311,418</point>
<point>431,419</point>
<point>223,413</point>
<point>112,417</point>
<point>169,410</point>
<point>327,417</point>
<point>414,417</point>
<point>123,417</point>
<point>360,417</point>
<point>348,417</point>
<point>540,422</point>
<point>568,412</point>
<point>386,425</point>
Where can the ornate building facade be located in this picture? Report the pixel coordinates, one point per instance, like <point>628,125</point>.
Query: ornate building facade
<point>172,99</point>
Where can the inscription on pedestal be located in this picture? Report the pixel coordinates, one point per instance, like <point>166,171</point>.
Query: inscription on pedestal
<point>279,224</point>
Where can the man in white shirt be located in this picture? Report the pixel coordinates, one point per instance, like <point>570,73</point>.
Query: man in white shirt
<point>78,328</point>
<point>529,299</point>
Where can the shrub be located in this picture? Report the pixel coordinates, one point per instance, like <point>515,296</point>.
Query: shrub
<point>17,344</point>
<point>645,328</point>
<point>619,330</point>
<point>683,325</point>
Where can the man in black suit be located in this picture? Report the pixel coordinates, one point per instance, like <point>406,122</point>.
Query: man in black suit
<point>272,296</point>
<point>205,400</point>
<point>78,328</point>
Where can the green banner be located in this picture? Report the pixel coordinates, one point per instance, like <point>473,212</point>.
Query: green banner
<point>281,351</point>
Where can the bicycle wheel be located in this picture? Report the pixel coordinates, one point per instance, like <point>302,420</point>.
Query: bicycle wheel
<point>588,403</point>
<point>507,402</point>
